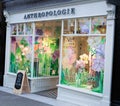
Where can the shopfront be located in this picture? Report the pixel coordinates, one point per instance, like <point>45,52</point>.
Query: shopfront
<point>69,47</point>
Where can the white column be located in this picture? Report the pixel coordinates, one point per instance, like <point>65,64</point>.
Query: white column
<point>7,51</point>
<point>108,55</point>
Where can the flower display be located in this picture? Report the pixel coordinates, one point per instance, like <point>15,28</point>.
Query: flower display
<point>20,54</point>
<point>84,58</point>
<point>98,25</point>
<point>55,55</point>
<point>69,58</point>
<point>100,50</point>
<point>70,55</point>
<point>84,29</point>
<point>93,42</point>
<point>98,64</point>
<point>98,58</point>
<point>80,64</point>
<point>83,68</point>
<point>65,64</point>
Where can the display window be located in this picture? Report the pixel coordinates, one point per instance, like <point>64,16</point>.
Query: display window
<point>98,25</point>
<point>21,29</point>
<point>46,55</point>
<point>83,55</point>
<point>83,26</point>
<point>35,48</point>
<point>46,48</point>
<point>69,26</point>
<point>14,29</point>
<point>20,54</point>
<point>28,28</point>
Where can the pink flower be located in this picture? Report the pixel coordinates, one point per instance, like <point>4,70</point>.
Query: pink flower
<point>72,59</point>
<point>65,63</point>
<point>69,58</point>
<point>80,64</point>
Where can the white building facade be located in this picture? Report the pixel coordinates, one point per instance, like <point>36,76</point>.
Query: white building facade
<point>69,47</point>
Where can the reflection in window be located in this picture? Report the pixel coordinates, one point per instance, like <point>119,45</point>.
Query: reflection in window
<point>29,29</point>
<point>20,29</point>
<point>99,25</point>
<point>39,28</point>
<point>14,29</point>
<point>83,62</point>
<point>69,26</point>
<point>48,28</point>
<point>20,55</point>
<point>83,26</point>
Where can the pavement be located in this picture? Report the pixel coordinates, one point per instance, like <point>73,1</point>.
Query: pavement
<point>8,98</point>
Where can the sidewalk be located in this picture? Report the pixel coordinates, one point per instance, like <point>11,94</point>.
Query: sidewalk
<point>7,99</point>
<point>7,95</point>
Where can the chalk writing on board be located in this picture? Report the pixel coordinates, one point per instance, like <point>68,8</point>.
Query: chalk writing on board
<point>18,81</point>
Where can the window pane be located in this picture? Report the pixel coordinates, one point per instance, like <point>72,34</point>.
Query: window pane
<point>20,55</point>
<point>83,62</point>
<point>46,48</point>
<point>46,55</point>
<point>39,28</point>
<point>20,29</point>
<point>14,29</point>
<point>69,26</point>
<point>29,29</point>
<point>48,28</point>
<point>83,26</point>
<point>98,25</point>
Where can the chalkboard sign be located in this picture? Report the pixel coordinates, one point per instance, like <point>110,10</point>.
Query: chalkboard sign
<point>21,83</point>
<point>18,81</point>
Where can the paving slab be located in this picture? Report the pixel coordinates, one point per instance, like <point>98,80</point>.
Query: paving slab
<point>7,99</point>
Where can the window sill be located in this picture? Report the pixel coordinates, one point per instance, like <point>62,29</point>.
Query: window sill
<point>82,90</point>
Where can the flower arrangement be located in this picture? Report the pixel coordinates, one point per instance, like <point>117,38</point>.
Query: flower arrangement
<point>97,48</point>
<point>80,64</point>
<point>20,54</point>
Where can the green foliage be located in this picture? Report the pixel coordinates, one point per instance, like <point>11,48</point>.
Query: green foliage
<point>58,31</point>
<point>18,51</point>
<point>24,42</point>
<point>63,80</point>
<point>13,63</point>
<point>84,77</point>
<point>103,40</point>
<point>18,61</point>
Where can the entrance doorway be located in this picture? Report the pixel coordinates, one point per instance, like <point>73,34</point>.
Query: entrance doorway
<point>51,93</point>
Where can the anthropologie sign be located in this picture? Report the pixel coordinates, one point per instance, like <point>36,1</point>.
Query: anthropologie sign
<point>59,12</point>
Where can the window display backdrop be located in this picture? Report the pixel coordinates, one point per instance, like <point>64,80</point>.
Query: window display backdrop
<point>20,56</point>
<point>83,55</point>
<point>46,48</point>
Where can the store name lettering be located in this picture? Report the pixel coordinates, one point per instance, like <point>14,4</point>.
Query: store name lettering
<point>68,11</point>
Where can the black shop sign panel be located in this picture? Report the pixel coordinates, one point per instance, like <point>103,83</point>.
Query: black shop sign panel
<point>18,81</point>
<point>21,83</point>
